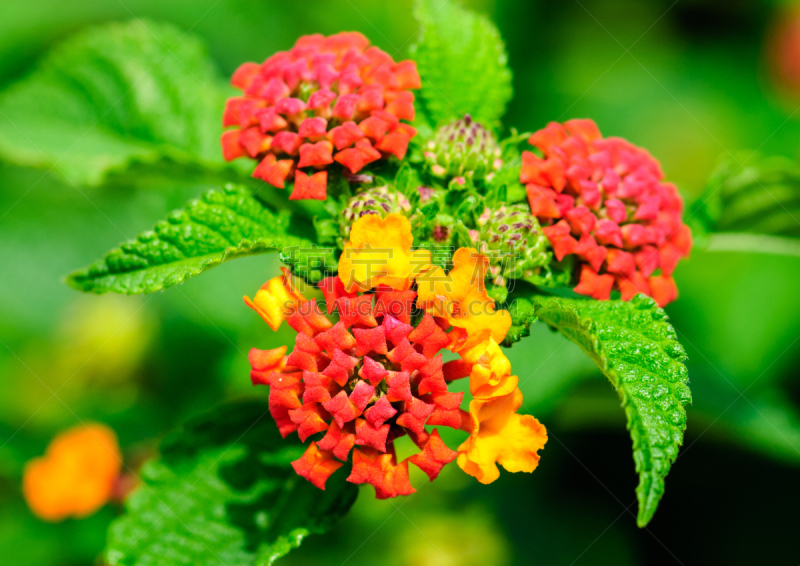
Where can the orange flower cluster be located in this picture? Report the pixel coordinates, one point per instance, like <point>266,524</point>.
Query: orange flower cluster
<point>378,373</point>
<point>604,201</point>
<point>328,99</point>
<point>76,476</point>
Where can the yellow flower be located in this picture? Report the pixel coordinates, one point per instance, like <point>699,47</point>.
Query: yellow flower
<point>460,297</point>
<point>379,253</point>
<point>76,476</point>
<point>276,300</point>
<point>491,371</point>
<point>500,436</point>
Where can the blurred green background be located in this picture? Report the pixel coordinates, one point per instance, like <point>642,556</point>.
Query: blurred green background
<point>691,80</point>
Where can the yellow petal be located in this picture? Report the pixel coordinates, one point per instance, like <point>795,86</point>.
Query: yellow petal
<point>379,254</point>
<point>276,300</point>
<point>491,370</point>
<point>501,436</point>
<point>461,298</point>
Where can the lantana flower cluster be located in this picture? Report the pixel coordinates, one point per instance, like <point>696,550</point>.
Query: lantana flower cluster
<point>604,201</point>
<point>327,100</point>
<point>354,386</point>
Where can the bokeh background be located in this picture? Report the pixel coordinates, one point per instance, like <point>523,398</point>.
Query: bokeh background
<point>694,81</point>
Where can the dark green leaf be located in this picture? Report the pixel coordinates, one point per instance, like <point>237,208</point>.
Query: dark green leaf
<point>637,350</point>
<point>117,94</point>
<point>221,225</point>
<point>431,209</point>
<point>463,64</point>
<point>224,492</point>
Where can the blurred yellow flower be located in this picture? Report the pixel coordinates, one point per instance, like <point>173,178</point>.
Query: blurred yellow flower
<point>76,475</point>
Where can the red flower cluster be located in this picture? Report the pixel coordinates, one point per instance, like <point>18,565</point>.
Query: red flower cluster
<point>368,379</point>
<point>603,200</point>
<point>327,99</point>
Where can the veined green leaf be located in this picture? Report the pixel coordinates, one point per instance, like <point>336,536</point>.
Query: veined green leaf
<point>221,225</point>
<point>224,492</point>
<point>463,64</point>
<point>637,350</point>
<point>760,195</point>
<point>116,94</point>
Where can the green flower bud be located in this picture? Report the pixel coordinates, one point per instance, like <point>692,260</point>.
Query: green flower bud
<point>463,149</point>
<point>376,200</point>
<point>517,249</point>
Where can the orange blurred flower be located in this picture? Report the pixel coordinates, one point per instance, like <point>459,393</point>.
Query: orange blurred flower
<point>76,476</point>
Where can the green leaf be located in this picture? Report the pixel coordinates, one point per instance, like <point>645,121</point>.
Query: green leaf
<point>760,195</point>
<point>637,350</point>
<point>224,492</point>
<point>463,64</point>
<point>223,224</point>
<point>311,262</point>
<point>114,95</point>
<point>523,313</point>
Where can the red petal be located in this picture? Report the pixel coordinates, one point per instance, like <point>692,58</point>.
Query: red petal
<point>336,338</point>
<point>406,75</point>
<point>308,319</point>
<point>620,263</point>
<point>398,304</point>
<point>308,419</point>
<point>314,187</point>
<point>316,465</point>
<point>243,76</point>
<point>435,454</point>
<point>380,412</point>
<point>313,128</point>
<point>231,148</point>
<point>370,435</point>
<point>415,415</point>
<point>370,340</point>
<point>399,387</point>
<point>345,135</point>
<point>594,285</point>
<point>372,371</point>
<point>341,409</point>
<point>583,128</point>
<point>337,440</point>
<point>447,411</point>
<point>430,336</point>
<point>663,289</point>
<point>274,172</point>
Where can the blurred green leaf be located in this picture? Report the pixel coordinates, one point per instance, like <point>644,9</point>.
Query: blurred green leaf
<point>221,225</point>
<point>636,348</point>
<point>753,243</point>
<point>113,95</point>
<point>463,64</point>
<point>760,195</point>
<point>224,492</point>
